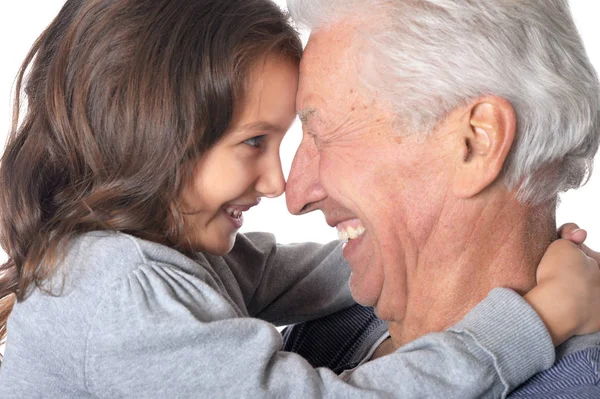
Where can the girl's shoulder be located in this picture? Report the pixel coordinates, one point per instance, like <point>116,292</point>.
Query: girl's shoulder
<point>101,266</point>
<point>121,253</point>
<point>99,258</point>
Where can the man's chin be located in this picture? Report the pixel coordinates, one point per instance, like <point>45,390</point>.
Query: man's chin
<point>363,293</point>
<point>366,279</point>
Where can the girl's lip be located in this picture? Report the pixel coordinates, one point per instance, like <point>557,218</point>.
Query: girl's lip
<point>237,222</point>
<point>241,207</point>
<point>234,212</point>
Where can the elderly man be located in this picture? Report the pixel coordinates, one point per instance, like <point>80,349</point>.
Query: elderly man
<point>437,135</point>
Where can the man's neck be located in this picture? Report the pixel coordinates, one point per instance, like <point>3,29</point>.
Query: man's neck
<point>500,245</point>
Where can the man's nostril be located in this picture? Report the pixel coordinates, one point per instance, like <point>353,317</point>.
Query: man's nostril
<point>306,207</point>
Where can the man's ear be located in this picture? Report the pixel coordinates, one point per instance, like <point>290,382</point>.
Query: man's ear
<point>486,134</point>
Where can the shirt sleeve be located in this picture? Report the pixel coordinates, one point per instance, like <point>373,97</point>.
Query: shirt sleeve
<point>161,333</point>
<point>286,284</point>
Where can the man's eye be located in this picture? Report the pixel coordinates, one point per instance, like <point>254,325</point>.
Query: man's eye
<point>255,141</point>
<point>316,140</point>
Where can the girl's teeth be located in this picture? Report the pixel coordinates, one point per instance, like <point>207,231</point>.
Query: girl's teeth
<point>233,213</point>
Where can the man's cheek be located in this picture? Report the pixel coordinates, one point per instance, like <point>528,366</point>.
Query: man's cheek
<point>338,163</point>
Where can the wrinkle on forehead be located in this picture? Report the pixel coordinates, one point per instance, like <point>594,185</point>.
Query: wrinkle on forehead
<point>333,104</point>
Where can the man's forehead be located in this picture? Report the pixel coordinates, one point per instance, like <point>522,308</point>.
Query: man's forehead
<point>331,42</point>
<point>327,70</point>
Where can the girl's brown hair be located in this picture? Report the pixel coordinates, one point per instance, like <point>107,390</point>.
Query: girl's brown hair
<point>122,96</point>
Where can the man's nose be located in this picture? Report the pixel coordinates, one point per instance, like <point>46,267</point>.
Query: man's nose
<point>303,187</point>
<point>271,182</point>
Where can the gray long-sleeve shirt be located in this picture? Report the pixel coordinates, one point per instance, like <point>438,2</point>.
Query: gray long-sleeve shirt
<point>138,319</point>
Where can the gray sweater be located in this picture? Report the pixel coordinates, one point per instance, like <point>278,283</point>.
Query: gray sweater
<point>138,319</point>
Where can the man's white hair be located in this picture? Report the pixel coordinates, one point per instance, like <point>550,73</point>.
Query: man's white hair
<point>428,57</point>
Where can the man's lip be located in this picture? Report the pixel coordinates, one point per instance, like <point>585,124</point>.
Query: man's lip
<point>334,222</point>
<point>353,222</point>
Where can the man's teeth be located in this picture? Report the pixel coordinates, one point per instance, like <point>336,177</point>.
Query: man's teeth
<point>350,233</point>
<point>233,213</point>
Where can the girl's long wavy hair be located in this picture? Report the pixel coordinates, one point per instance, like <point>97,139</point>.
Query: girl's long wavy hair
<point>122,96</point>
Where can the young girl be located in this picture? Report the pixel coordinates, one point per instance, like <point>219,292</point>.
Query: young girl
<point>151,126</point>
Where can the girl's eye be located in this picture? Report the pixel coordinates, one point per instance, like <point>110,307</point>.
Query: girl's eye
<point>255,141</point>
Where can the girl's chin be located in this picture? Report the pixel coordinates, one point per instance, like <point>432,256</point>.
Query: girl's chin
<point>220,248</point>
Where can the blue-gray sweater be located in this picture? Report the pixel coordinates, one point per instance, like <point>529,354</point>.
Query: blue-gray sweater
<point>140,320</point>
<point>342,340</point>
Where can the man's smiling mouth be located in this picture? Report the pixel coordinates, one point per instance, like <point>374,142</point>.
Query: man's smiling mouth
<point>350,229</point>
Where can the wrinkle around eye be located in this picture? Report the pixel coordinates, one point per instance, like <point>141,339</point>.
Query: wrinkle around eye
<point>316,140</point>
<point>310,134</point>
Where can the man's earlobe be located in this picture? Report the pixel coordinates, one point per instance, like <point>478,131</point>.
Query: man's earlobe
<point>487,137</point>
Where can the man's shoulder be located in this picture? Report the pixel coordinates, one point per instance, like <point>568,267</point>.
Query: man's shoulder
<point>576,374</point>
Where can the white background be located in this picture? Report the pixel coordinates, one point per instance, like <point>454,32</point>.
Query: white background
<point>21,21</point>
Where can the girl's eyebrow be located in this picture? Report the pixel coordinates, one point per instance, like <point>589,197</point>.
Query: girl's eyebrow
<point>260,127</point>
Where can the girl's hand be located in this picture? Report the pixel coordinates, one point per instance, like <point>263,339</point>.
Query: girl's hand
<point>567,296</point>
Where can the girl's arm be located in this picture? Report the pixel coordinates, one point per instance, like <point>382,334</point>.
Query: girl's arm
<point>193,347</point>
<point>155,336</point>
<point>286,284</point>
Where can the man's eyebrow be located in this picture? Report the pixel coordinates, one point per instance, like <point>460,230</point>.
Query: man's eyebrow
<point>306,113</point>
